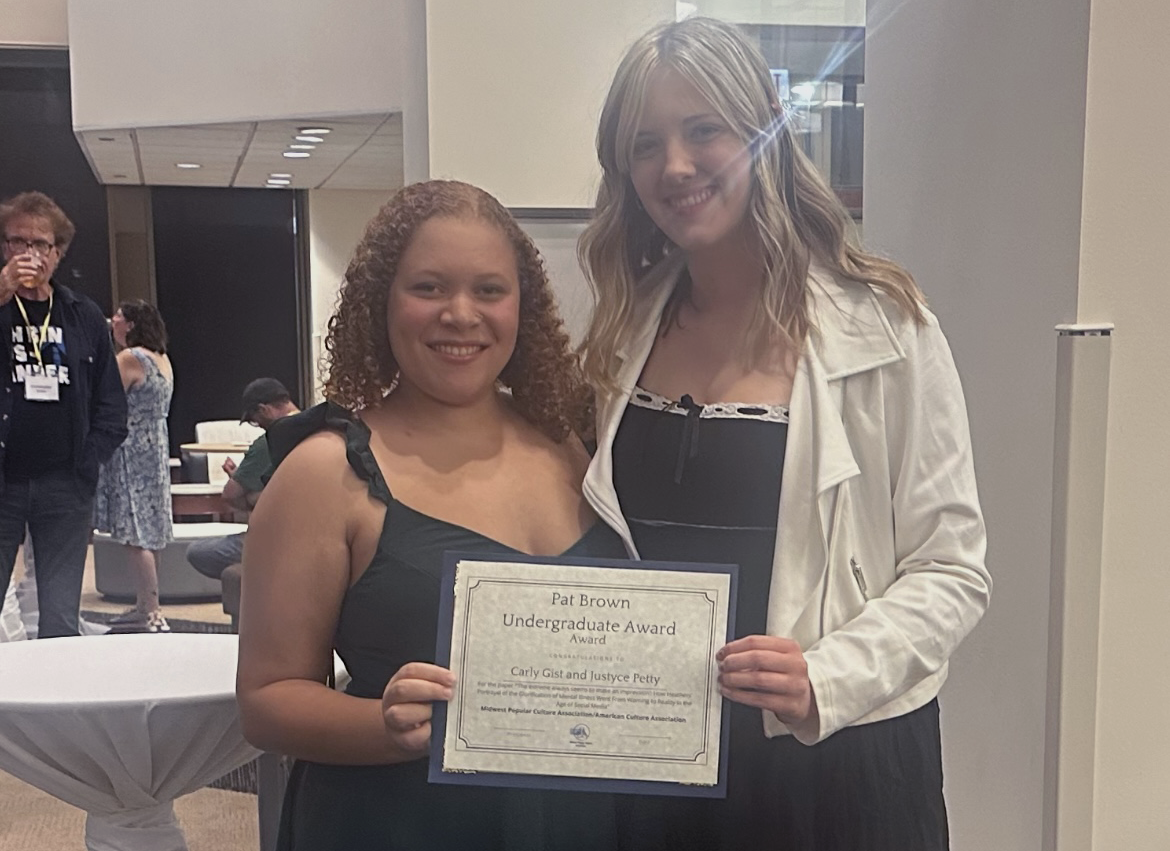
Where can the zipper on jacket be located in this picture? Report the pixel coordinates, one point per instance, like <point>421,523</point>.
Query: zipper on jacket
<point>858,577</point>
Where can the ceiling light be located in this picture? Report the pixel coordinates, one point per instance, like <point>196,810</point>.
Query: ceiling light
<point>295,154</point>
<point>296,147</point>
<point>315,131</point>
<point>119,177</point>
<point>188,165</point>
<point>310,138</point>
<point>279,174</point>
<point>105,138</point>
<point>279,181</point>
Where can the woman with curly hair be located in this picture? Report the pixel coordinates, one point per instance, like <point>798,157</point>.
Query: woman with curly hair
<point>774,396</point>
<point>133,500</point>
<point>453,422</point>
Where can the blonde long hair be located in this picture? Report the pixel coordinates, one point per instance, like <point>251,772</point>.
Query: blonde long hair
<point>796,216</point>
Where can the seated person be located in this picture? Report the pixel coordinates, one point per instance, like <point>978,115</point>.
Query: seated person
<point>265,401</point>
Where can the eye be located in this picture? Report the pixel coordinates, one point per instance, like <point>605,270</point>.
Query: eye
<point>644,146</point>
<point>492,290</point>
<point>423,288</point>
<point>706,131</point>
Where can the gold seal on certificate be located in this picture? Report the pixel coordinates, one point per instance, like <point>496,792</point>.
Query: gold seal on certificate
<point>585,671</point>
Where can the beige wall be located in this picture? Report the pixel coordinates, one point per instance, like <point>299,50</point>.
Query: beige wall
<point>337,220</point>
<point>33,23</point>
<point>827,13</point>
<point>222,61</point>
<point>515,91</point>
<point>974,134</point>
<point>1123,279</point>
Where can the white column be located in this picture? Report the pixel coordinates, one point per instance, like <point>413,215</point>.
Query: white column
<point>1082,420</point>
<point>1124,280</point>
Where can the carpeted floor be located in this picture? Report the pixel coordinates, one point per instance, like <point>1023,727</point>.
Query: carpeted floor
<point>212,819</point>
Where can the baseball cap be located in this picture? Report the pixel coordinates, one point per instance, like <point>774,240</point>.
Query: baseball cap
<point>262,391</point>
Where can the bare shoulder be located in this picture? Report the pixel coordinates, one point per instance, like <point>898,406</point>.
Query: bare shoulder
<point>127,360</point>
<point>130,368</point>
<point>318,460</point>
<point>310,498</point>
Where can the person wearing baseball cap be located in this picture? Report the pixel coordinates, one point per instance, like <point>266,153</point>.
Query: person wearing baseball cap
<point>264,401</point>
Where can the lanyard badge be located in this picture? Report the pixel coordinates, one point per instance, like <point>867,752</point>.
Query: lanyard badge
<point>39,388</point>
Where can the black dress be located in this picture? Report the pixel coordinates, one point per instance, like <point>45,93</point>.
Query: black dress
<point>702,483</point>
<point>389,617</point>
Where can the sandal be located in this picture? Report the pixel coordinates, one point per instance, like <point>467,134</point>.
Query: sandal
<point>130,617</point>
<point>155,622</point>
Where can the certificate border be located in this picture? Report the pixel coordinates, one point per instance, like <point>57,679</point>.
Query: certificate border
<point>555,781</point>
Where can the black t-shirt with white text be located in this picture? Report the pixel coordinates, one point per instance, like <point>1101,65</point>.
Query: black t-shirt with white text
<point>40,439</point>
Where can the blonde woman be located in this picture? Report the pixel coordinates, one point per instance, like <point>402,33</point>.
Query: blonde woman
<point>772,395</point>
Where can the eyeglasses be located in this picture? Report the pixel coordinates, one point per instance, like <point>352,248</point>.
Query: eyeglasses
<point>19,246</point>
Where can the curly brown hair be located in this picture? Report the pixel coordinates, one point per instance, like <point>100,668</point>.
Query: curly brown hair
<point>543,374</point>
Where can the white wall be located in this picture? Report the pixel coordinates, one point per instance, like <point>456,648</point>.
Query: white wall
<point>557,242</point>
<point>142,63</point>
<point>516,89</point>
<point>33,23</point>
<point>337,220</point>
<point>1123,279</point>
<point>826,13</point>
<point>974,153</point>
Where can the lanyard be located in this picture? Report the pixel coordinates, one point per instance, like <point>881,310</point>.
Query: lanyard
<point>28,326</point>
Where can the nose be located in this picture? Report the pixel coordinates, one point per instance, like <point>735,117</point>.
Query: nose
<point>679,163</point>
<point>461,311</point>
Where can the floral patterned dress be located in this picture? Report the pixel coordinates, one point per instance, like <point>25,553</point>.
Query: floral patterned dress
<point>133,500</point>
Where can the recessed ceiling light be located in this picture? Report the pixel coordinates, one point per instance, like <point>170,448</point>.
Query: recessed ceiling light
<point>298,147</point>
<point>279,181</point>
<point>279,174</point>
<point>119,177</point>
<point>310,138</point>
<point>105,138</point>
<point>188,165</point>
<point>315,131</point>
<point>292,155</point>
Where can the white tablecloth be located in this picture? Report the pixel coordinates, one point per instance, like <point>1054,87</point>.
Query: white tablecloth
<point>120,726</point>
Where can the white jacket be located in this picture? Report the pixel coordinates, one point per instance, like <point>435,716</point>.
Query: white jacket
<point>878,570</point>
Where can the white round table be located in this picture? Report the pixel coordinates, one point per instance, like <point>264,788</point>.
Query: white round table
<point>120,726</point>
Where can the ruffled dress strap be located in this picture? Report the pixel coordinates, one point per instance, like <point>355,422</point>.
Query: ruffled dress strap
<point>286,433</point>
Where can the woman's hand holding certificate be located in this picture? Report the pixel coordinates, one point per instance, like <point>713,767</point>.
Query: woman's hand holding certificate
<point>592,672</point>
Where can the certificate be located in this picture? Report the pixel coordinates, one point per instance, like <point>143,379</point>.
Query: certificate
<point>596,675</point>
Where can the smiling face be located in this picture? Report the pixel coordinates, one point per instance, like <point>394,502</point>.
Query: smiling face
<point>33,237</point>
<point>453,310</point>
<point>689,168</point>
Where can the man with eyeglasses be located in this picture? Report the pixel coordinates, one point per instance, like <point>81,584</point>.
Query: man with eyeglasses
<point>62,408</point>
